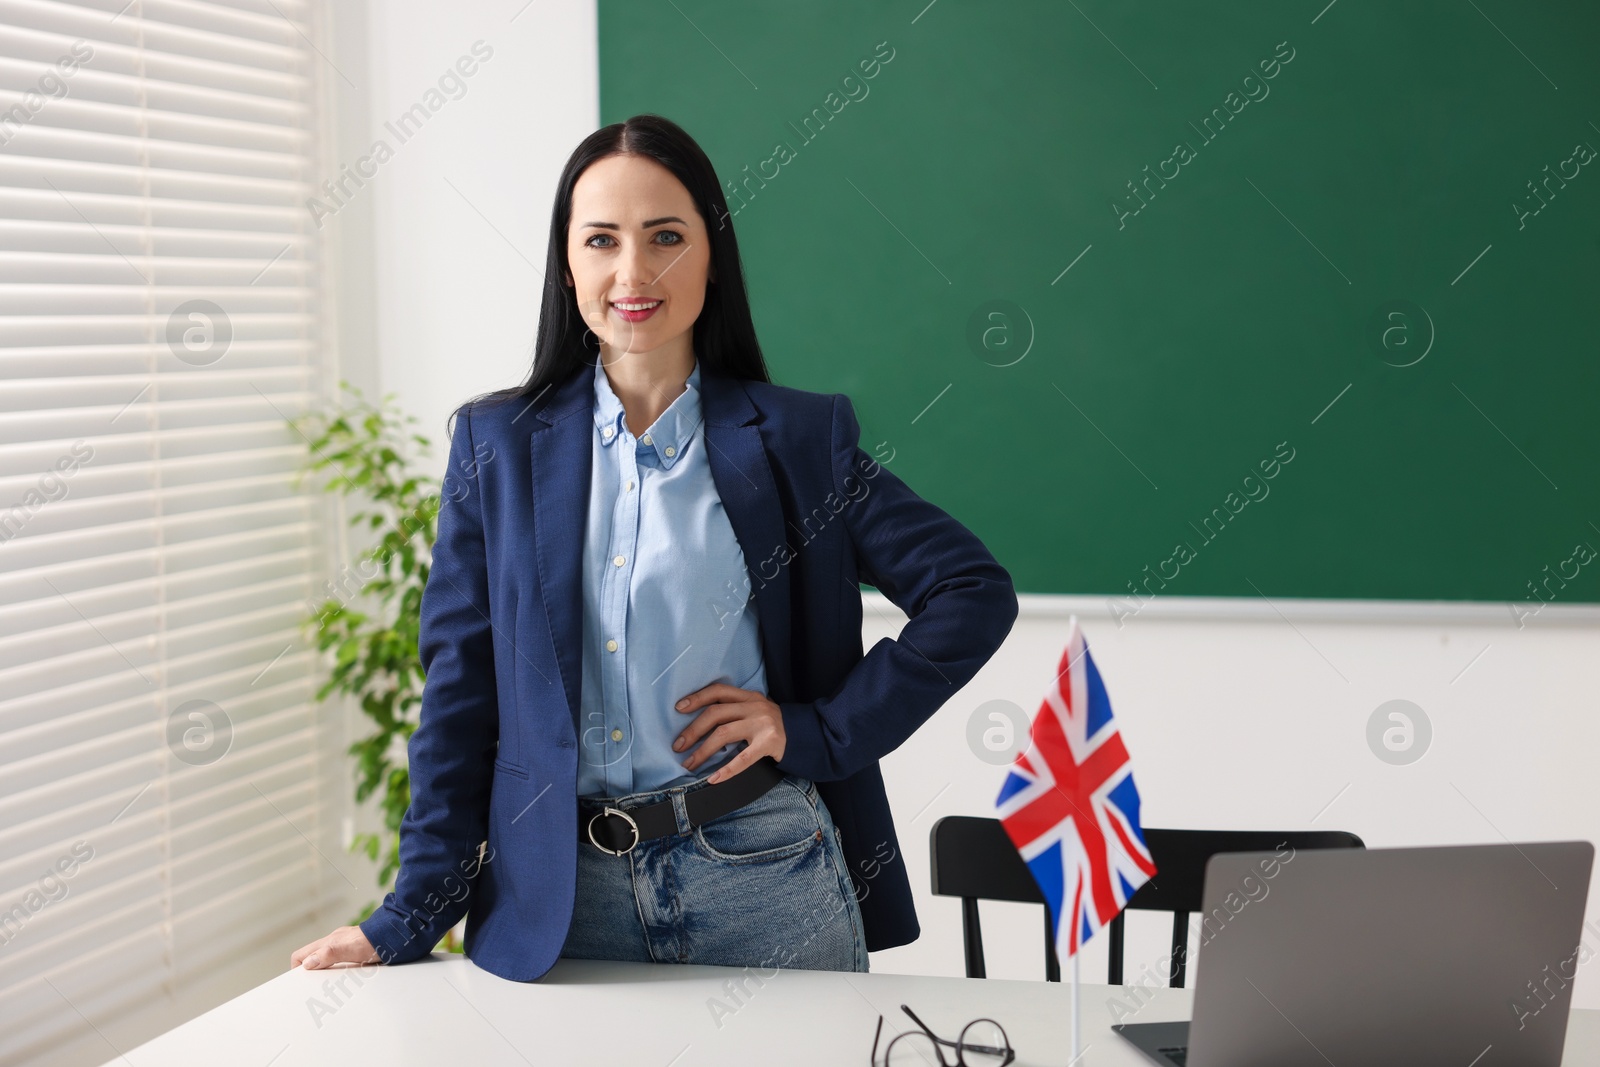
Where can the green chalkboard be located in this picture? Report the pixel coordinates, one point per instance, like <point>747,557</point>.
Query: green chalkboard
<point>1092,271</point>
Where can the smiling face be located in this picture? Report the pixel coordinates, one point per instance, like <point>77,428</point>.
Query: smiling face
<point>636,240</point>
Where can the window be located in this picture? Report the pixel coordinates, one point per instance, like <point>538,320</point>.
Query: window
<point>165,769</point>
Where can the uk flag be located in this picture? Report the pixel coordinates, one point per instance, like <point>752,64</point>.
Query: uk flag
<point>1070,806</point>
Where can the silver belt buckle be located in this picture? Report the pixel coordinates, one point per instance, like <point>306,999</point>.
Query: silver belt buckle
<point>613,811</point>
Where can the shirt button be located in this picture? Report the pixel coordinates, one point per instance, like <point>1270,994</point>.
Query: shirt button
<point>611,646</point>
<point>607,432</point>
<point>618,561</point>
<point>616,735</point>
<point>671,451</point>
<point>630,487</point>
<point>645,438</point>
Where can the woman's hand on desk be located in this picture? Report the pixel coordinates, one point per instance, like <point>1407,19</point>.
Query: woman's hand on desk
<point>730,714</point>
<point>345,945</point>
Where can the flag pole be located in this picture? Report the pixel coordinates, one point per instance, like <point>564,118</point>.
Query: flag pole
<point>1075,1052</point>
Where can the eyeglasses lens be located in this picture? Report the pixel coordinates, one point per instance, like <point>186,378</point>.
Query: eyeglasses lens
<point>983,1044</point>
<point>912,1049</point>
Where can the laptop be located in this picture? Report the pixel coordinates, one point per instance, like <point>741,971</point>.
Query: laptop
<point>1455,956</point>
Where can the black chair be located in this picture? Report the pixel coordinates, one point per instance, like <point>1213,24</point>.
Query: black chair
<point>974,859</point>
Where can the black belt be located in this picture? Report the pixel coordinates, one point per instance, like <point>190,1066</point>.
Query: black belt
<point>618,832</point>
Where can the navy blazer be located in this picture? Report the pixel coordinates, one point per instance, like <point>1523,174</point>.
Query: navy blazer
<point>491,831</point>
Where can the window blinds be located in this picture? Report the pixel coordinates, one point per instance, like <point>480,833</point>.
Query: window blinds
<point>161,789</point>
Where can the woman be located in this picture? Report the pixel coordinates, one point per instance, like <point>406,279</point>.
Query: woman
<point>615,758</point>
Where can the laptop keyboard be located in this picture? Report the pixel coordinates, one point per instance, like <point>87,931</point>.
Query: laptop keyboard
<point>1178,1054</point>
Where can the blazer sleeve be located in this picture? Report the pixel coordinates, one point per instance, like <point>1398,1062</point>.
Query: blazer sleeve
<point>959,601</point>
<point>452,750</point>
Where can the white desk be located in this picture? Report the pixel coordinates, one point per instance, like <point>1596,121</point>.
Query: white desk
<point>445,1010</point>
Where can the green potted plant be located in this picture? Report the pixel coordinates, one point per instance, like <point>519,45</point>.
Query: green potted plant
<point>369,452</point>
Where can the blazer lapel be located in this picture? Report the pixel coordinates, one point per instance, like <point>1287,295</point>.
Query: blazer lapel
<point>561,442</point>
<point>743,477</point>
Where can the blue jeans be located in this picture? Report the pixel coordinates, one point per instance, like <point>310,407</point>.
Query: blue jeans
<point>763,886</point>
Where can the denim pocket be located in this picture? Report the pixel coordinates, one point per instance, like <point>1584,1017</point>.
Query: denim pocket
<point>781,823</point>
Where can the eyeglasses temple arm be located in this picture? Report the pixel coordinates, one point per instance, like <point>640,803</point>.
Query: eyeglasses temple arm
<point>924,1027</point>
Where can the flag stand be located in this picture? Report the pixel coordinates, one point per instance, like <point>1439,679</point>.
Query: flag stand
<point>1075,1052</point>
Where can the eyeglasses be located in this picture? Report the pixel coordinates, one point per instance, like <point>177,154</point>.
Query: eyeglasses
<point>982,1043</point>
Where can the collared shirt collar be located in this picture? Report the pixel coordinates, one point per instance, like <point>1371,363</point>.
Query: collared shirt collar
<point>669,435</point>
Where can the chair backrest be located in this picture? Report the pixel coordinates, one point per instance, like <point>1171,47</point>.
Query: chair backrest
<point>974,859</point>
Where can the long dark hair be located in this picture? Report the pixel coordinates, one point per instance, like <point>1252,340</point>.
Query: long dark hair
<point>724,334</point>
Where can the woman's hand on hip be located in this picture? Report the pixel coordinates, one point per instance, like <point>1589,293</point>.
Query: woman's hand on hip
<point>727,714</point>
<point>345,945</point>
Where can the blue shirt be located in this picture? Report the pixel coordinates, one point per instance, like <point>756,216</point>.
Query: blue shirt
<point>665,597</point>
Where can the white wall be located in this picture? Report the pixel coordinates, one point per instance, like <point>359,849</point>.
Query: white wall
<point>1234,722</point>
<point>463,207</point>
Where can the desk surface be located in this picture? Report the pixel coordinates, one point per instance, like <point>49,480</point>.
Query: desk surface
<point>446,1010</point>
